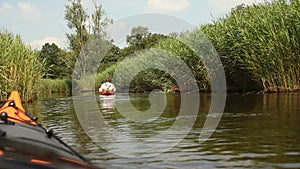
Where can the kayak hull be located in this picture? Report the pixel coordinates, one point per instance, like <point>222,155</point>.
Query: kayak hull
<point>31,146</point>
<point>107,93</point>
<point>26,144</point>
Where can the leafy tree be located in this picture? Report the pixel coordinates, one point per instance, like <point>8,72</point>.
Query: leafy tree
<point>84,27</point>
<point>140,38</point>
<point>98,21</point>
<point>137,35</point>
<point>54,61</point>
<point>111,57</point>
<point>76,18</point>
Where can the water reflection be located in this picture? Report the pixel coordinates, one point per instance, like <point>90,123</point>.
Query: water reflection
<point>107,102</point>
<point>256,131</point>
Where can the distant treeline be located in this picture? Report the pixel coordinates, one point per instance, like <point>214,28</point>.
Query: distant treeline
<point>259,46</point>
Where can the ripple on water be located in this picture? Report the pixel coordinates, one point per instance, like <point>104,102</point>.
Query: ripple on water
<point>264,135</point>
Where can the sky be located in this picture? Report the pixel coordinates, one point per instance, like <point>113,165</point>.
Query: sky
<point>41,21</point>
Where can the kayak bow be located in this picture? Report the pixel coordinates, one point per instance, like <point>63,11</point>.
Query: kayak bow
<point>26,144</point>
<point>15,112</point>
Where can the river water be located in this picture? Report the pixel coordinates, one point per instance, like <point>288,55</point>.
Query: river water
<point>255,131</point>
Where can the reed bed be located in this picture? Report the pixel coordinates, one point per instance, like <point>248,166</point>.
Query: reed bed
<point>48,86</point>
<point>20,68</point>
<point>260,46</point>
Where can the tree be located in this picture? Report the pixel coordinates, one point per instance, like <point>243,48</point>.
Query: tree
<point>139,39</point>
<point>137,35</point>
<point>83,28</point>
<point>76,20</point>
<point>111,57</point>
<point>99,22</point>
<point>54,61</point>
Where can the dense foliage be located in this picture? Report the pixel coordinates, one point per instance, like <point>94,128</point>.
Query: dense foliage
<point>20,68</point>
<point>139,40</point>
<point>260,46</point>
<point>56,61</point>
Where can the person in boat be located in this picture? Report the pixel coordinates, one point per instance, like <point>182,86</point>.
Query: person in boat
<point>107,88</point>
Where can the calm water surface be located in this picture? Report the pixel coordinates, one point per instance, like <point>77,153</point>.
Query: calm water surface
<point>256,131</point>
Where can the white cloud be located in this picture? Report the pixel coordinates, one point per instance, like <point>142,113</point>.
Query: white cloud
<point>5,7</point>
<point>38,44</point>
<point>116,31</point>
<point>88,4</point>
<point>116,28</point>
<point>226,5</point>
<point>167,5</point>
<point>29,11</point>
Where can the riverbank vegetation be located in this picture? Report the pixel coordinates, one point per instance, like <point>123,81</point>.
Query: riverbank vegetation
<point>20,68</point>
<point>48,86</point>
<point>259,46</point>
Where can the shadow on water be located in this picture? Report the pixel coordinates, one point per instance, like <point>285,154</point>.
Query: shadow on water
<point>256,131</point>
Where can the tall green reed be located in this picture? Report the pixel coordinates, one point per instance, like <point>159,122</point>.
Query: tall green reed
<point>48,86</point>
<point>20,68</point>
<point>260,45</point>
